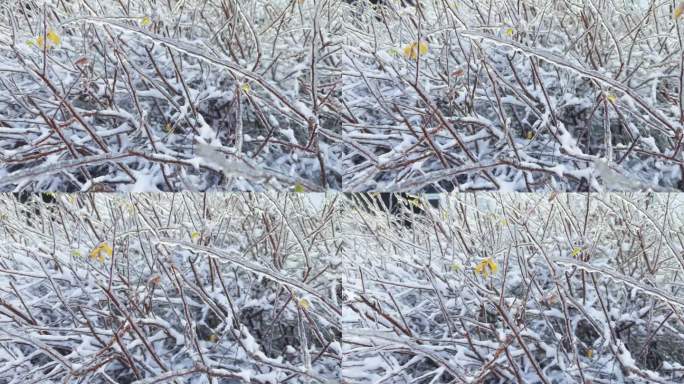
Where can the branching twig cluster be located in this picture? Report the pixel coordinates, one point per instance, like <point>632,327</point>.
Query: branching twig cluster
<point>339,94</point>
<point>496,288</point>
<point>515,95</point>
<point>151,85</point>
<point>169,288</point>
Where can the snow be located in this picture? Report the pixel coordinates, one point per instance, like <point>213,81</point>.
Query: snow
<point>498,93</point>
<point>533,109</point>
<point>405,303</point>
<point>184,91</point>
<point>166,299</point>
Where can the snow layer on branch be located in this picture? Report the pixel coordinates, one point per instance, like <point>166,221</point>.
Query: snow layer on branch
<point>100,295</point>
<point>544,90</point>
<point>491,288</point>
<point>152,83</point>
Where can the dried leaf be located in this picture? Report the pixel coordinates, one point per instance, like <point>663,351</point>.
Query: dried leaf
<point>100,252</point>
<point>54,37</point>
<point>413,50</point>
<point>304,304</point>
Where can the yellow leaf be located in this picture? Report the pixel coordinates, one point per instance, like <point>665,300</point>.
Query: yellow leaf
<point>456,267</point>
<point>486,267</point>
<point>107,249</point>
<point>30,42</point>
<point>423,48</point>
<point>246,87</point>
<point>414,49</point>
<point>195,235</point>
<point>304,304</point>
<point>299,188</point>
<point>54,37</point>
<point>168,128</point>
<point>530,135</point>
<point>415,201</point>
<point>76,253</point>
<point>679,11</point>
<point>590,353</point>
<point>510,32</point>
<point>99,252</point>
<point>611,98</point>
<point>408,51</point>
<point>575,251</point>
<point>145,21</point>
<point>40,41</point>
